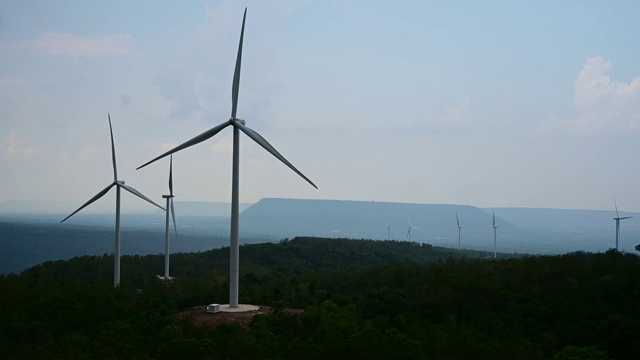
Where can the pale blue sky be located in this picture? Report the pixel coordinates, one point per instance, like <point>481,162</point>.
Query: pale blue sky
<point>486,103</point>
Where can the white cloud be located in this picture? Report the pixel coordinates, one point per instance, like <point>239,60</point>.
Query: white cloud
<point>73,45</point>
<point>90,151</point>
<point>452,118</point>
<point>16,148</point>
<point>456,115</point>
<point>159,146</point>
<point>604,106</point>
<point>224,145</point>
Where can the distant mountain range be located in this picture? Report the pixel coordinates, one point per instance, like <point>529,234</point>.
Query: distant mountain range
<point>519,229</point>
<point>205,225</point>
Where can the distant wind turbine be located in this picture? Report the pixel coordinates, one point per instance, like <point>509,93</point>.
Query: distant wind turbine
<point>118,184</point>
<point>494,234</point>
<point>169,209</point>
<point>238,125</point>
<point>459,227</point>
<point>617,219</point>
<point>409,230</point>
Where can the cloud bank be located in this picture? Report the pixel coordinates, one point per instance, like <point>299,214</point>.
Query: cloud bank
<point>605,106</point>
<point>68,44</point>
<point>15,147</point>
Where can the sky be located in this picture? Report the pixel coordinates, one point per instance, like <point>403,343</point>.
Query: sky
<point>484,103</point>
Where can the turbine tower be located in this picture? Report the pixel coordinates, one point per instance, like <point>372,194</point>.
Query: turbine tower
<point>238,125</point>
<point>170,209</point>
<point>409,231</point>
<point>388,232</point>
<point>617,219</point>
<point>459,227</point>
<point>494,234</point>
<point>118,184</point>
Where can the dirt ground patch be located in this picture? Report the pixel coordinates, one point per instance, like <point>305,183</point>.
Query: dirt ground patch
<point>200,316</point>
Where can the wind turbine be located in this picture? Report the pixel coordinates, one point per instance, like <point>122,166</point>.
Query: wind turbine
<point>459,227</point>
<point>617,219</point>
<point>494,234</point>
<point>388,232</point>
<point>173,215</point>
<point>238,125</point>
<point>409,231</point>
<point>118,184</point>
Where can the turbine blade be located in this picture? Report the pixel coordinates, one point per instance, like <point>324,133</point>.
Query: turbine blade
<point>138,194</point>
<point>173,215</point>
<point>458,221</point>
<point>626,217</point>
<point>113,151</point>
<point>265,144</point>
<point>236,73</point>
<point>494,219</point>
<point>96,197</point>
<point>171,175</point>
<point>198,139</point>
<point>614,203</point>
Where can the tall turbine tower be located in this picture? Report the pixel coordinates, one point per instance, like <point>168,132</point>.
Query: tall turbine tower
<point>617,219</point>
<point>170,209</point>
<point>409,230</point>
<point>118,184</point>
<point>238,125</point>
<point>388,232</point>
<point>459,227</point>
<point>494,234</point>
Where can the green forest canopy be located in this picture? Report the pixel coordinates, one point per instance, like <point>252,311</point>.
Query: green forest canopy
<point>361,299</point>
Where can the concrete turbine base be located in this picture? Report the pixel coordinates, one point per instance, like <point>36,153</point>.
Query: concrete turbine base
<point>240,308</point>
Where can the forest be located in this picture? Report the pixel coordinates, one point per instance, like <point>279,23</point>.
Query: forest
<point>359,299</point>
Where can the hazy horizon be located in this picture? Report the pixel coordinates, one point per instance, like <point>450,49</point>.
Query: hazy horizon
<point>138,206</point>
<point>492,104</point>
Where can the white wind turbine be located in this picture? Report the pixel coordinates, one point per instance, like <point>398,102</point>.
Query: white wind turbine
<point>494,234</point>
<point>409,230</point>
<point>169,209</point>
<point>238,125</point>
<point>459,227</point>
<point>617,219</point>
<point>118,184</point>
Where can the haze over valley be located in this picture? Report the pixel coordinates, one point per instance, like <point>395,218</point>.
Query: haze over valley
<point>203,226</point>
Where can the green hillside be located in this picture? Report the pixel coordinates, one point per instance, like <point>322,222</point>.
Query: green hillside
<point>361,299</point>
